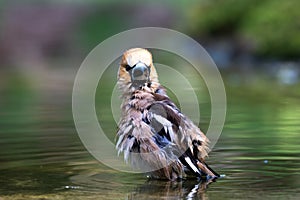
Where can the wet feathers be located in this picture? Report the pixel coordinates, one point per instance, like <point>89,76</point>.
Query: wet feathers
<point>153,134</point>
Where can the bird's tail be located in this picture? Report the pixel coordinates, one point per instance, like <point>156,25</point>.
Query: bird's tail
<point>198,167</point>
<point>207,170</point>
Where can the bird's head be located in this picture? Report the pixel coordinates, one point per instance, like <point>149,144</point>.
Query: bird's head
<point>136,69</point>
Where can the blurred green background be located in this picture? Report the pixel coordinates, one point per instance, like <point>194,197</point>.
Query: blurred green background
<point>255,44</point>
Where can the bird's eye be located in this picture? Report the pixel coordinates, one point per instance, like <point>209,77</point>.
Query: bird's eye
<point>128,67</point>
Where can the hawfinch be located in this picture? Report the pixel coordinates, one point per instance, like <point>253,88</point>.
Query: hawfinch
<point>152,133</point>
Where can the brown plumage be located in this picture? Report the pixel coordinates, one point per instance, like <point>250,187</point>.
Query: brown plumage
<point>153,134</point>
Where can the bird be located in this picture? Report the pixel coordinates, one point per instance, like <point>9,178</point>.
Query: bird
<point>153,134</point>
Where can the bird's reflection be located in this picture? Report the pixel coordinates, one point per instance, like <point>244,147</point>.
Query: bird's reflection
<point>157,189</point>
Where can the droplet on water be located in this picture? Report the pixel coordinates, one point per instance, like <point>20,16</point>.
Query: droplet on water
<point>71,187</point>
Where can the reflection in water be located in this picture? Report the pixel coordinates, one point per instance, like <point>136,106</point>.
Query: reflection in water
<point>155,189</point>
<point>109,184</point>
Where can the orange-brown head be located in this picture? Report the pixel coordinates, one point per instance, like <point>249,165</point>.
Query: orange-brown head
<point>137,69</point>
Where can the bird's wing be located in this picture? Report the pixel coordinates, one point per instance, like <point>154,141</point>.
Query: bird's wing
<point>159,134</point>
<point>171,126</point>
<point>142,145</point>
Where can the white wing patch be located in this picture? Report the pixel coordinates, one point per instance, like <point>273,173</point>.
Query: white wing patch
<point>166,124</point>
<point>189,162</point>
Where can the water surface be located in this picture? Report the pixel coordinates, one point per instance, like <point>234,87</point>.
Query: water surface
<point>42,157</point>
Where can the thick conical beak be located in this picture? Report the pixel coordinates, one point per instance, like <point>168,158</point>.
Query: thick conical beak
<point>139,74</point>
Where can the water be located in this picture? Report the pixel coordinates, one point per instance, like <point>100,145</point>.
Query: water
<point>41,156</point>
